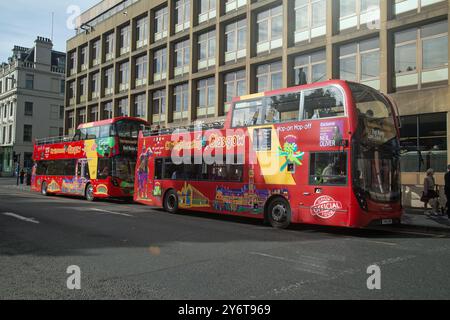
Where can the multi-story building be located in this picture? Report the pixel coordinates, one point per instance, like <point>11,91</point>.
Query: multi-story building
<point>176,61</point>
<point>31,101</point>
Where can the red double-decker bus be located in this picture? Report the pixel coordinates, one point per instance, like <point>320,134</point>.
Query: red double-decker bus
<point>97,162</point>
<point>325,153</point>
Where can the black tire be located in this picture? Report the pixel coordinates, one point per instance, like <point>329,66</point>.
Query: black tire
<point>279,213</point>
<point>44,188</point>
<point>171,202</point>
<point>89,193</point>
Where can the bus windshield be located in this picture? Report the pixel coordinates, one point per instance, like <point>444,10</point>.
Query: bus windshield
<point>123,168</point>
<point>376,149</point>
<point>128,129</point>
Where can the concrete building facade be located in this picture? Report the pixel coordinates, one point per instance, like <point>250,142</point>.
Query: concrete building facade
<point>176,61</point>
<point>32,85</point>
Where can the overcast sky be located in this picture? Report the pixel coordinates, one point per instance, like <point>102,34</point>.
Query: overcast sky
<point>21,21</point>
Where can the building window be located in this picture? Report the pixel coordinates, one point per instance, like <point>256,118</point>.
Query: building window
<point>206,98</point>
<point>181,102</point>
<point>107,112</point>
<point>96,59</point>
<point>29,108</point>
<point>83,89</point>
<point>270,29</point>
<point>70,122</point>
<point>10,134</point>
<point>310,19</point>
<point>29,81</point>
<point>310,68</point>
<point>141,32</point>
<point>62,88</point>
<point>95,85</point>
<point>421,56</point>
<point>236,40</point>
<point>182,58</point>
<point>109,47</point>
<point>161,23</point>
<point>71,93</point>
<point>401,6</point>
<point>11,109</point>
<point>231,5</point>
<point>269,76</point>
<point>207,50</point>
<point>207,10</point>
<point>159,107</point>
<point>125,40</point>
<point>141,71</point>
<point>124,76</point>
<point>139,106</point>
<point>27,133</point>
<point>72,63</point>
<point>160,65</point>
<point>93,114</point>
<point>54,112</point>
<point>82,116</point>
<point>360,62</point>
<point>182,15</point>
<point>123,107</point>
<point>235,85</point>
<point>423,140</point>
<point>84,58</point>
<point>109,81</point>
<point>355,13</point>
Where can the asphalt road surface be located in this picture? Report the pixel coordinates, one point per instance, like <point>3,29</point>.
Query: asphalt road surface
<point>129,251</point>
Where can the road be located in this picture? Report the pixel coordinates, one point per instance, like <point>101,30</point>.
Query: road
<point>129,251</point>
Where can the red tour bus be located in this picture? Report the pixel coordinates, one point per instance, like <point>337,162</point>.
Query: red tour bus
<point>97,162</point>
<point>325,153</point>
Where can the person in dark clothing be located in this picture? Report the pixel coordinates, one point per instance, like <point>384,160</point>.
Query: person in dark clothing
<point>22,176</point>
<point>447,190</point>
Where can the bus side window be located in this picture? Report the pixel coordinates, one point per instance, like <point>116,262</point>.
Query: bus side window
<point>323,103</point>
<point>328,168</point>
<point>283,108</point>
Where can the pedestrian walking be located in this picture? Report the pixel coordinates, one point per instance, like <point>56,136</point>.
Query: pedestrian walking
<point>447,190</point>
<point>429,193</point>
<point>22,176</point>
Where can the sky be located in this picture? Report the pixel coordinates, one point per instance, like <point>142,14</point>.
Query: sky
<point>21,21</point>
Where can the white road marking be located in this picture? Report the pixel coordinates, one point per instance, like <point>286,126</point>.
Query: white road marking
<point>111,212</point>
<point>13,215</point>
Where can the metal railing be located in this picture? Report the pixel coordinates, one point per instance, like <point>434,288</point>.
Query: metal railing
<point>195,127</point>
<point>53,140</point>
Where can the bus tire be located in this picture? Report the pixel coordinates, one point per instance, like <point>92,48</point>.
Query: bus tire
<point>171,201</point>
<point>89,193</point>
<point>44,188</point>
<point>279,213</point>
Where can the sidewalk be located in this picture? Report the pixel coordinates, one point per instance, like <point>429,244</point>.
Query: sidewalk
<point>417,218</point>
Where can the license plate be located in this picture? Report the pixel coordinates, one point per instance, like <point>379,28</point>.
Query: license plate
<point>386,221</point>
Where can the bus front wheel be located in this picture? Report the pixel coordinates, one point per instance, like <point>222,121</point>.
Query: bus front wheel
<point>279,213</point>
<point>171,201</point>
<point>89,193</point>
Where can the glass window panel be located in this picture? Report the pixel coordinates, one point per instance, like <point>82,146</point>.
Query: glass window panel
<point>370,65</point>
<point>405,58</point>
<point>348,69</point>
<point>435,52</point>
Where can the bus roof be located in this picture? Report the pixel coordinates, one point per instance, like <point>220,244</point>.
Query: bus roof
<point>109,121</point>
<point>290,89</point>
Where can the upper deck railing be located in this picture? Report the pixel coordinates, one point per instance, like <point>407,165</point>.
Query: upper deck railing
<point>195,127</point>
<point>53,140</point>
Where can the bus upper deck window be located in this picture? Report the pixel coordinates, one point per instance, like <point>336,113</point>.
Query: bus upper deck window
<point>282,108</point>
<point>323,103</point>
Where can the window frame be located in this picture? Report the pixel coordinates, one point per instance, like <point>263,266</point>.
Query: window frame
<point>310,153</point>
<point>273,43</point>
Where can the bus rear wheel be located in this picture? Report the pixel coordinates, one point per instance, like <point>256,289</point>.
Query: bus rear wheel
<point>171,201</point>
<point>279,213</point>
<point>89,193</point>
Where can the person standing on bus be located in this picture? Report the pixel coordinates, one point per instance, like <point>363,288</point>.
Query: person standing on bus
<point>447,190</point>
<point>429,191</point>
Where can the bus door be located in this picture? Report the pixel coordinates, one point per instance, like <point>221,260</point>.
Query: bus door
<point>324,200</point>
<point>82,175</point>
